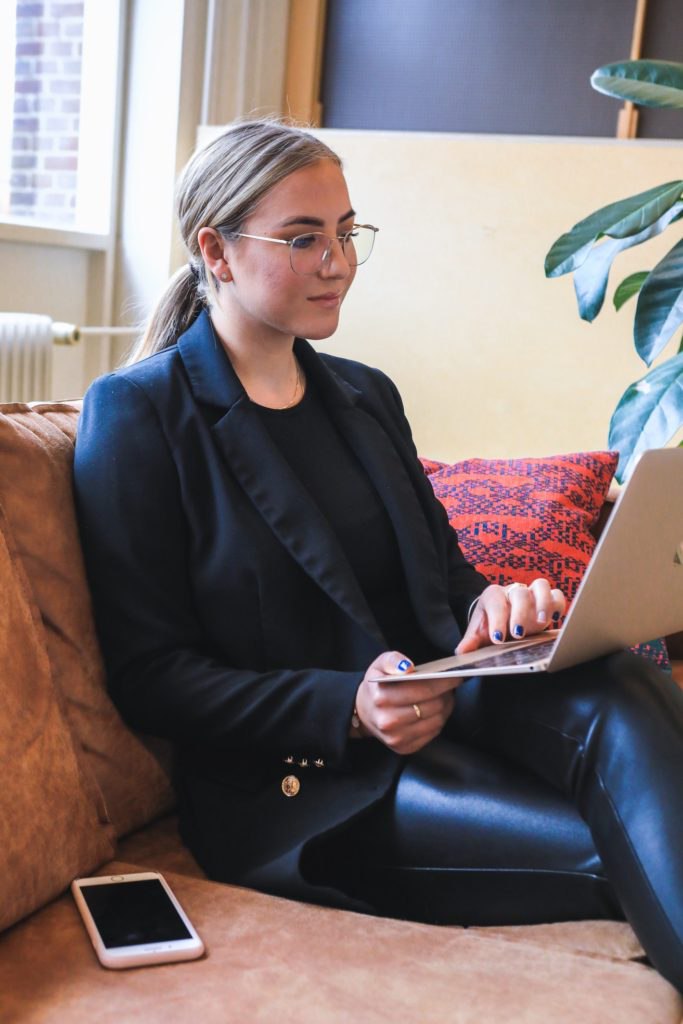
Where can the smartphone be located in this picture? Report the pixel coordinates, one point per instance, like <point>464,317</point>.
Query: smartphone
<point>133,920</point>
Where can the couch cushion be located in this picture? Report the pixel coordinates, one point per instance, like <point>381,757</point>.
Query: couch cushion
<point>270,959</point>
<point>36,454</point>
<point>160,848</point>
<point>523,518</point>
<point>52,819</point>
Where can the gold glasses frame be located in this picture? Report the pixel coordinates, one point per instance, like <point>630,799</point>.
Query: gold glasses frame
<point>343,241</point>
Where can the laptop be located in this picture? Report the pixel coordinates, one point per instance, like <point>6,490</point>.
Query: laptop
<point>632,590</point>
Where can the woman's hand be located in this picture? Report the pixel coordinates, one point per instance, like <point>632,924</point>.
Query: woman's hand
<point>404,716</point>
<point>512,612</point>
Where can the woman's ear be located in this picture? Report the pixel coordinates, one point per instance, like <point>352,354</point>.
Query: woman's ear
<point>212,247</point>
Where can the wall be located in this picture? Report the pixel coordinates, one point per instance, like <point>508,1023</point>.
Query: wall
<point>54,281</point>
<point>491,357</point>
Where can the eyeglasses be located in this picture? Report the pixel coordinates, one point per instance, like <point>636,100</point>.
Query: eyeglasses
<point>310,253</point>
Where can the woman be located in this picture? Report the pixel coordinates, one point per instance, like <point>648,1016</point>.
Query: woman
<point>268,561</point>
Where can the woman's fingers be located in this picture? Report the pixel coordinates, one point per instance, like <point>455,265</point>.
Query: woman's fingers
<point>534,608</point>
<point>512,612</point>
<point>524,610</point>
<point>489,622</point>
<point>404,715</point>
<point>417,716</point>
<point>390,663</point>
<point>407,728</point>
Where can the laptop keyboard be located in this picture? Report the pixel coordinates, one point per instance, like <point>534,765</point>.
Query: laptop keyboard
<point>522,656</point>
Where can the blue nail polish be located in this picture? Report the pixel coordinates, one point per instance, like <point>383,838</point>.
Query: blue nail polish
<point>404,665</point>
<point>497,636</point>
<point>518,631</point>
<point>556,616</point>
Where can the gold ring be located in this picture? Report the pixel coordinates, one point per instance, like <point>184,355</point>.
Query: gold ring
<point>416,709</point>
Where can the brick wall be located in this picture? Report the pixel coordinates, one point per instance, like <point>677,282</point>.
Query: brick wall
<point>47,102</point>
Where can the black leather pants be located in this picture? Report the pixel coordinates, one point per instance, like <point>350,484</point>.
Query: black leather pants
<point>549,797</point>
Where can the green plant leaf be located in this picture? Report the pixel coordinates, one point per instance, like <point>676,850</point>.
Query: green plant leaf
<point>618,220</point>
<point>660,306</point>
<point>590,279</point>
<point>629,287</point>
<point>648,414</point>
<point>650,83</point>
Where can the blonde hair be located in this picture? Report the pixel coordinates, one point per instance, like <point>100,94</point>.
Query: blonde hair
<point>220,187</point>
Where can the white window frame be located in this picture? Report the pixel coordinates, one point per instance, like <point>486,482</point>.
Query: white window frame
<point>99,132</point>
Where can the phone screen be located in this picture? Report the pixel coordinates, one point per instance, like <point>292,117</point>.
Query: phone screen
<point>134,913</point>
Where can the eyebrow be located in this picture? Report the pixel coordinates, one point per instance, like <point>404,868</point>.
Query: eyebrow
<point>315,222</point>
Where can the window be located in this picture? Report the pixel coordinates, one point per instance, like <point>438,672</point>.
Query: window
<point>58,99</point>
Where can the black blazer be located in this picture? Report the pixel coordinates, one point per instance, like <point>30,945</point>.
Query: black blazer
<point>229,618</point>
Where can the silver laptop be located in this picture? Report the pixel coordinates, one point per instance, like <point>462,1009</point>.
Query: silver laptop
<point>632,590</point>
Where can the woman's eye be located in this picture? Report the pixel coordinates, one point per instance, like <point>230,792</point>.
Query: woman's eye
<point>303,242</point>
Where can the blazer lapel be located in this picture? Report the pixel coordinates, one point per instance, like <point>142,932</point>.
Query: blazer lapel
<point>378,452</point>
<point>265,476</point>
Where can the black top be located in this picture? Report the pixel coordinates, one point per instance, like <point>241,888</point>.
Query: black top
<point>326,466</point>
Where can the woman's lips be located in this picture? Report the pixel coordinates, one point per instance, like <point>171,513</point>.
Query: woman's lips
<point>328,299</point>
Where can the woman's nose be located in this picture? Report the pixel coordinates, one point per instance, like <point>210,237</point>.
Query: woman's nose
<point>335,263</point>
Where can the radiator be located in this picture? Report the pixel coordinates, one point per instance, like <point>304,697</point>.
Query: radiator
<point>26,345</point>
<point>26,341</point>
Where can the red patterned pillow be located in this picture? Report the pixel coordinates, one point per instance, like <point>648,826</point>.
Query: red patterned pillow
<point>431,465</point>
<point>523,518</point>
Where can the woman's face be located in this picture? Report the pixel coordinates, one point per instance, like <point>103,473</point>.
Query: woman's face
<point>264,294</point>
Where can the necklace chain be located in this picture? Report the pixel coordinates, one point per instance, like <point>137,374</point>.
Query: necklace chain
<point>298,383</point>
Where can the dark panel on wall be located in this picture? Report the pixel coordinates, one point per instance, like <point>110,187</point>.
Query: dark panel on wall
<point>663,40</point>
<point>517,66</point>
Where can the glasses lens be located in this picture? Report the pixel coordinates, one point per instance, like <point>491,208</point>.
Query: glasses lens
<point>358,245</point>
<point>306,252</point>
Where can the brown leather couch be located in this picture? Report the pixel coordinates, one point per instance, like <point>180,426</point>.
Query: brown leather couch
<point>79,794</point>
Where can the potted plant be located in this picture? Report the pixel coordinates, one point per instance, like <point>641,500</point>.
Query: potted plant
<point>650,412</point>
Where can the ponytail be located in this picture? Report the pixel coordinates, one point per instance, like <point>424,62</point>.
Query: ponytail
<point>178,308</point>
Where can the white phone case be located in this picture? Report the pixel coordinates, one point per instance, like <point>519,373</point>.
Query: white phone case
<point>138,954</point>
